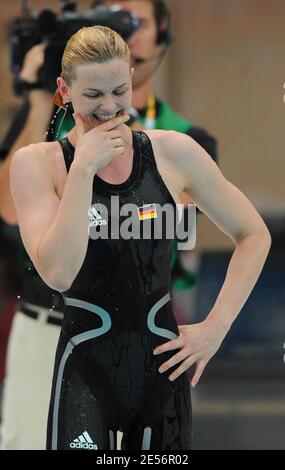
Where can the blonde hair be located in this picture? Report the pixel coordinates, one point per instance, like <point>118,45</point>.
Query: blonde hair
<point>91,44</point>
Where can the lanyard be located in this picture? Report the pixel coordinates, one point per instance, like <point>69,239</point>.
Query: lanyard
<point>150,117</point>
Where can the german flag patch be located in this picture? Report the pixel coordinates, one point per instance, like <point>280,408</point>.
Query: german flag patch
<point>147,211</point>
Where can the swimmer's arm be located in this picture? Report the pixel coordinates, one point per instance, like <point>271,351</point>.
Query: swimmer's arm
<point>229,210</point>
<point>54,231</point>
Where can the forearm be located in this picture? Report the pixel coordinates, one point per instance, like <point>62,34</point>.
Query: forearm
<point>62,250</point>
<point>242,274</point>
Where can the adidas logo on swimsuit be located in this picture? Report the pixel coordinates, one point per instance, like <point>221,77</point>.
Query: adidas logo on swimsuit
<point>83,441</point>
<point>95,218</point>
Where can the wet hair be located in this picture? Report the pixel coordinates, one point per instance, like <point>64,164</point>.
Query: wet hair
<point>93,44</point>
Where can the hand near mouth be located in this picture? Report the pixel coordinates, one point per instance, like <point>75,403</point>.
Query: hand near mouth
<point>97,147</point>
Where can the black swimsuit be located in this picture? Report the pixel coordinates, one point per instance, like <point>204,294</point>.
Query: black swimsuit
<point>117,311</point>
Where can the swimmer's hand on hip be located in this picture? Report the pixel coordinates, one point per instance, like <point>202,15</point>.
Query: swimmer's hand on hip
<point>197,343</point>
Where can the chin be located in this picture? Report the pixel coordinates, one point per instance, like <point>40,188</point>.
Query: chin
<point>91,122</point>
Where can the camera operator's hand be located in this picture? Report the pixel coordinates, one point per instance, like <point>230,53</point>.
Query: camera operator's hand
<point>41,100</point>
<point>33,62</point>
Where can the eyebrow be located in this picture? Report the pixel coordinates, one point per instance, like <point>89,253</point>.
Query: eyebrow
<point>94,89</point>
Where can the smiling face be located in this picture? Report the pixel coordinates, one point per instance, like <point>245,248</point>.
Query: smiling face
<point>100,91</point>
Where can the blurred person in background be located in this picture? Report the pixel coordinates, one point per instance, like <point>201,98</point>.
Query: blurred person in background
<point>10,281</point>
<point>39,316</point>
<point>36,324</point>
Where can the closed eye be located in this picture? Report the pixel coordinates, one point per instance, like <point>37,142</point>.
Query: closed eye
<point>116,93</point>
<point>119,92</point>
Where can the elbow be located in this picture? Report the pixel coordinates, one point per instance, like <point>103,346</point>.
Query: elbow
<point>51,273</point>
<point>265,235</point>
<point>57,284</point>
<point>262,235</point>
<point>264,242</point>
<point>268,238</point>
<point>63,286</point>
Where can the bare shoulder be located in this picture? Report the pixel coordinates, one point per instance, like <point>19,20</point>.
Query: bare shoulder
<point>156,135</point>
<point>160,139</point>
<point>169,141</point>
<point>43,151</point>
<point>187,156</point>
<point>34,159</point>
<point>162,133</point>
<point>170,145</point>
